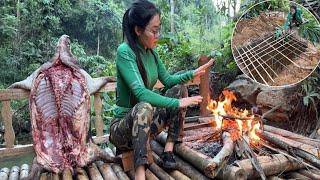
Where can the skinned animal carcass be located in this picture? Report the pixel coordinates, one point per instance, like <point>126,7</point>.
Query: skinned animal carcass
<point>59,105</point>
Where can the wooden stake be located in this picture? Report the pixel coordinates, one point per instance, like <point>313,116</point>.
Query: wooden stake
<point>204,87</point>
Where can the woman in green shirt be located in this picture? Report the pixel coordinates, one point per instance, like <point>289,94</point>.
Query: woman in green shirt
<point>140,113</point>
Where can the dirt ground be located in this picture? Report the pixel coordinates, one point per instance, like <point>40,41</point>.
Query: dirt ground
<point>309,61</point>
<point>248,30</point>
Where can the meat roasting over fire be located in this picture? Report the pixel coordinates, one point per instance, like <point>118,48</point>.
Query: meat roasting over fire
<point>232,119</point>
<point>59,103</point>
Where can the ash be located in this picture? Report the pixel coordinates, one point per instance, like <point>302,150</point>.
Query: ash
<point>210,149</point>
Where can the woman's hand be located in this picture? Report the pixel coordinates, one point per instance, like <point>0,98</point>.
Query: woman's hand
<point>202,69</point>
<point>188,101</point>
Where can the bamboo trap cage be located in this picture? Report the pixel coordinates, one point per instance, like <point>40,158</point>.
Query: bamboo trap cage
<point>264,58</point>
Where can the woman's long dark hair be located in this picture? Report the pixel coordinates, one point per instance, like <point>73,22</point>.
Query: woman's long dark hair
<point>139,14</point>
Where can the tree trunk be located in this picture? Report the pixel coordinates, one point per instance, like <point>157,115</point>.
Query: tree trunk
<point>98,44</point>
<point>172,16</point>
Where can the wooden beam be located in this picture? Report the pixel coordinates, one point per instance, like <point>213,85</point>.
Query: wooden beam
<point>28,149</point>
<point>13,94</point>
<point>204,87</point>
<point>9,135</point>
<point>98,110</point>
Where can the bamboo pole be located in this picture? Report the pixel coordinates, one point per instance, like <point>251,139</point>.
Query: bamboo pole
<point>159,172</point>
<point>290,146</point>
<point>174,173</point>
<point>119,172</point>
<point>14,173</point>
<point>53,176</point>
<point>24,171</point>
<point>274,178</point>
<point>106,171</point>
<point>296,175</point>
<point>178,175</point>
<point>293,136</point>
<point>232,172</point>
<point>309,174</point>
<point>94,173</point>
<point>81,174</point>
<point>66,174</point>
<point>150,175</point>
<point>4,173</point>
<point>116,167</point>
<point>201,161</point>
<point>182,166</point>
<point>271,165</point>
<point>43,176</point>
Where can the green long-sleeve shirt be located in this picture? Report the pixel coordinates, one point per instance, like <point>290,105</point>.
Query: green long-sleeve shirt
<point>297,16</point>
<point>130,86</point>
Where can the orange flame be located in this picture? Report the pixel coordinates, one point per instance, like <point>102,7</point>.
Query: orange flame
<point>224,107</point>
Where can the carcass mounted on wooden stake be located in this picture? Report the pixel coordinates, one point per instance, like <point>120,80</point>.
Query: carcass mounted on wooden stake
<point>59,103</point>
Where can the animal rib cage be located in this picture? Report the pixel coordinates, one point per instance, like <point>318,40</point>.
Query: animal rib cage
<point>263,59</point>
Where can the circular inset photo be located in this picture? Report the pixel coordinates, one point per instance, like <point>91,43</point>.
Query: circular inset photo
<point>277,43</point>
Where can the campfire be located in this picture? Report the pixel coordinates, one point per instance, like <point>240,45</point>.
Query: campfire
<point>236,121</point>
<point>234,144</point>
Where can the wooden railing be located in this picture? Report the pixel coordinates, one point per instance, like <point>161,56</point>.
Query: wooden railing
<point>7,95</point>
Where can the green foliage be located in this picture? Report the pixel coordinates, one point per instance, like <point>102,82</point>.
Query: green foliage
<point>310,90</point>
<point>258,6</point>
<point>176,53</point>
<point>310,31</point>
